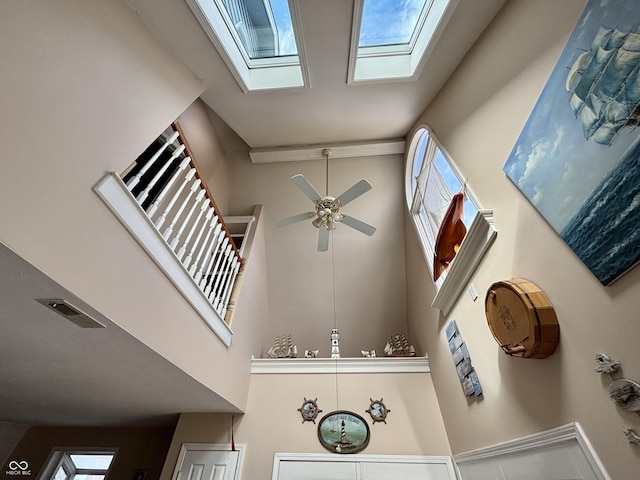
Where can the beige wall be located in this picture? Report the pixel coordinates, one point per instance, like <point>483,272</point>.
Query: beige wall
<point>478,117</point>
<point>273,424</point>
<point>368,272</point>
<point>85,89</point>
<point>137,448</point>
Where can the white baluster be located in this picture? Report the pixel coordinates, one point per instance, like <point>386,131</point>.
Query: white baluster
<point>225,303</point>
<point>220,269</point>
<point>196,242</point>
<point>212,231</point>
<point>154,206</point>
<point>187,178</point>
<point>220,302</point>
<point>213,271</point>
<point>204,203</point>
<point>169,230</point>
<point>142,196</point>
<point>211,258</point>
<point>197,201</point>
<point>136,179</point>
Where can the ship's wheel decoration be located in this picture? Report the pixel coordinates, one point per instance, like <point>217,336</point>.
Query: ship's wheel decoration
<point>309,410</point>
<point>378,411</point>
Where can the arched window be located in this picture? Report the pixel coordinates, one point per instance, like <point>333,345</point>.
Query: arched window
<point>432,184</point>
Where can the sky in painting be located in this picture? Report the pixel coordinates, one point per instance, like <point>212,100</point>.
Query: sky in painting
<point>552,162</point>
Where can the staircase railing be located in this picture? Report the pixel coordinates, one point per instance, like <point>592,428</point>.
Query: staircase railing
<point>169,190</point>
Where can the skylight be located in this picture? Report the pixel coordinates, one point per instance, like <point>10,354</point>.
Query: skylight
<point>391,38</point>
<point>256,39</point>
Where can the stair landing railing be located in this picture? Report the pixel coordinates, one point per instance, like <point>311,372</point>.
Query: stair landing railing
<point>168,188</point>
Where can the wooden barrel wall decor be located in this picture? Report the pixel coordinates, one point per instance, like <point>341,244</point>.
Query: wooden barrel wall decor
<point>521,319</point>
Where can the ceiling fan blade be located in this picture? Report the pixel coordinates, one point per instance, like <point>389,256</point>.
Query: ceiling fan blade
<point>354,192</point>
<point>295,219</point>
<point>306,187</point>
<point>323,239</point>
<point>359,225</point>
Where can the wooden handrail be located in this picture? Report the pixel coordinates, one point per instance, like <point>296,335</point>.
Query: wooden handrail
<point>183,140</point>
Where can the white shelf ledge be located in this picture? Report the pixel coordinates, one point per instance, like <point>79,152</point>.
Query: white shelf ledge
<point>340,365</point>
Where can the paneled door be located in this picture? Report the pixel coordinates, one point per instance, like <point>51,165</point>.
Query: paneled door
<point>206,461</point>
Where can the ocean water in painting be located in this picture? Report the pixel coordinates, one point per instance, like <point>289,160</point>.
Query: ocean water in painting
<point>576,159</point>
<point>605,232</point>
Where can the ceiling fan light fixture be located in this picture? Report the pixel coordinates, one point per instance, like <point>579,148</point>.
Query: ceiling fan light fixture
<point>317,222</point>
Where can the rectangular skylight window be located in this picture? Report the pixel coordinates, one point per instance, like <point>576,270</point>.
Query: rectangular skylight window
<point>391,39</point>
<point>389,22</point>
<point>256,39</point>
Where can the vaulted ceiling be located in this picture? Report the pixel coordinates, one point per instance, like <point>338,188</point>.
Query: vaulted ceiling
<point>329,112</point>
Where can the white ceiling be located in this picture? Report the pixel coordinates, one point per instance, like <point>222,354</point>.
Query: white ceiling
<point>330,111</point>
<point>53,372</point>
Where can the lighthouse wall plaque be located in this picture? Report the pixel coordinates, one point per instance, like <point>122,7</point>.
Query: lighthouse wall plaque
<point>342,431</point>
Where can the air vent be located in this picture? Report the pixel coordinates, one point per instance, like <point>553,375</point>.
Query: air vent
<point>71,313</point>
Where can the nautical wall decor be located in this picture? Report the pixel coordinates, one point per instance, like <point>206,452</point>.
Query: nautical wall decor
<point>521,319</point>
<point>624,393</point>
<point>342,431</point>
<point>335,343</point>
<point>378,411</point>
<point>461,359</point>
<point>577,159</point>
<point>309,410</point>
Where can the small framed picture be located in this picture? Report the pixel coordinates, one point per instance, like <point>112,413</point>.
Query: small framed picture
<point>140,474</point>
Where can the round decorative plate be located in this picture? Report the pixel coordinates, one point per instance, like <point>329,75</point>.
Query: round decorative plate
<point>342,431</point>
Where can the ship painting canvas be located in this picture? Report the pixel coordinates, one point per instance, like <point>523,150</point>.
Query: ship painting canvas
<point>577,159</point>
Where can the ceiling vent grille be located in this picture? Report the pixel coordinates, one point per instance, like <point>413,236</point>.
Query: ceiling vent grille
<point>70,312</point>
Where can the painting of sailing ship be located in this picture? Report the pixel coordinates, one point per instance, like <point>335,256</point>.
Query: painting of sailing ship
<point>577,159</point>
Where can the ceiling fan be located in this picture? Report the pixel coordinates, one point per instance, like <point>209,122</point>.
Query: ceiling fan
<point>327,209</point>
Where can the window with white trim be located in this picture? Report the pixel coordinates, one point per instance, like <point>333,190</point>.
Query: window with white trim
<point>257,40</point>
<point>431,182</point>
<point>79,465</point>
<point>391,39</point>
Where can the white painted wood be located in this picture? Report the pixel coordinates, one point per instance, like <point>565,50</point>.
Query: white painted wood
<point>201,203</point>
<point>198,461</point>
<point>207,226</point>
<point>167,188</point>
<point>478,239</point>
<point>142,196</point>
<point>216,267</point>
<point>230,282</point>
<point>558,454</point>
<point>369,149</point>
<point>201,268</point>
<point>221,265</point>
<point>340,365</point>
<point>187,178</point>
<point>312,466</point>
<point>195,187</point>
<point>113,192</point>
<point>136,179</point>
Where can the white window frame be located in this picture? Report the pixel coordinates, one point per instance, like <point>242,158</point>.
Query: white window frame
<point>259,74</point>
<point>479,235</point>
<point>397,62</point>
<point>61,456</point>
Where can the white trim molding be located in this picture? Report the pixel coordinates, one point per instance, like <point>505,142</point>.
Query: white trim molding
<point>441,463</point>
<point>113,192</point>
<point>478,239</point>
<point>340,365</point>
<point>314,152</point>
<point>534,447</point>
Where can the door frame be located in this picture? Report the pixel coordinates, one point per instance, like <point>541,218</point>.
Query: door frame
<point>359,458</point>
<point>213,447</point>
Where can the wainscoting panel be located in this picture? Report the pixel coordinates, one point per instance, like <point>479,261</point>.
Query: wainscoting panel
<point>563,453</point>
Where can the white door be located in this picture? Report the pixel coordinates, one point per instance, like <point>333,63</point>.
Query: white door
<point>207,462</point>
